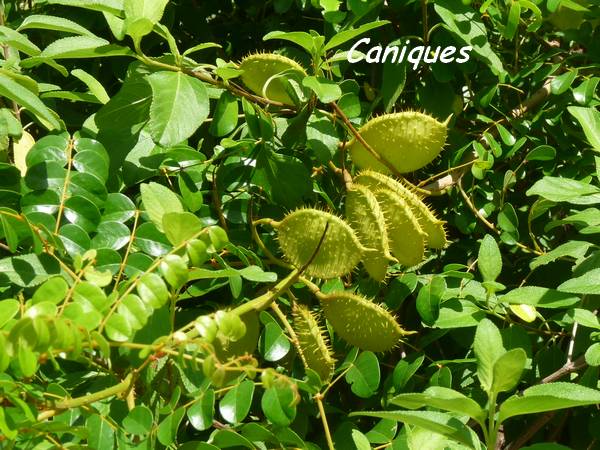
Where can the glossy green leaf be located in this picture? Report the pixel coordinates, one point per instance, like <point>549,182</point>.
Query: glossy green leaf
<point>279,405</point>
<point>235,405</point>
<point>589,119</point>
<point>225,116</point>
<point>167,429</point>
<point>201,413</point>
<point>138,421</point>
<point>364,375</point>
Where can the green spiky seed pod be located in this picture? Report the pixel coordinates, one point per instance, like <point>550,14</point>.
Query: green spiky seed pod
<point>431,225</point>
<point>313,344</point>
<point>366,217</point>
<point>300,232</point>
<point>407,239</point>
<point>407,140</point>
<point>262,68</point>
<point>361,322</point>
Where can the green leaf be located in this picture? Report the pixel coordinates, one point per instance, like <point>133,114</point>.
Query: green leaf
<point>83,47</point>
<point>235,405</point>
<point>279,405</point>
<point>394,79</point>
<point>547,397</point>
<point>100,431</point>
<point>152,290</point>
<point>442,398</point>
<point>112,235</point>
<point>512,25</point>
<point>201,413</point>
<point>138,421</point>
<point>347,35</point>
<point>142,15</point>
<point>111,6</point>
<point>539,297</point>
<point>93,85</point>
<point>14,91</point>
<point>179,106</point>
<point>48,22</point>
<point>53,290</point>
<point>225,117</point>
<point>255,273</point>
<point>488,348</point>
<point>28,270</point>
<point>508,369</point>
<point>284,178</point>
<point>442,423</point>
<point>159,200</point>
<point>326,90</point>
<point>575,249</point>
<point>558,189</point>
<point>489,260</point>
<point>181,226</point>
<point>118,328</point>
<point>584,93</point>
<point>8,309</point>
<point>464,22</point>
<point>118,208</point>
<point>541,153</point>
<point>588,283</point>
<point>561,83</point>
<point>304,40</point>
<point>429,299</point>
<point>589,119</point>
<point>274,344</point>
<point>364,375</point>
<point>592,355</point>
<point>17,40</point>
<point>167,430</point>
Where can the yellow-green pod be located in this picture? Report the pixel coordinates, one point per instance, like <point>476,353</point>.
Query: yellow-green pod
<point>299,234</point>
<point>407,140</point>
<point>366,217</point>
<point>261,69</point>
<point>407,239</point>
<point>431,225</point>
<point>360,322</point>
<point>313,344</point>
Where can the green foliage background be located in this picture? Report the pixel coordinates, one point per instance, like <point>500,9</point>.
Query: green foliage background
<point>134,215</point>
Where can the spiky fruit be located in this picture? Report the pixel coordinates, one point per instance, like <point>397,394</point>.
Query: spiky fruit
<point>407,140</point>
<point>313,344</point>
<point>361,322</point>
<point>262,68</point>
<point>300,232</point>
<point>366,218</point>
<point>407,239</point>
<point>431,225</point>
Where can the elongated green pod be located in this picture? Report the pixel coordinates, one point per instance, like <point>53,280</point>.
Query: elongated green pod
<point>432,226</point>
<point>407,239</point>
<point>407,140</point>
<point>300,233</point>
<point>361,322</point>
<point>261,69</point>
<point>366,217</point>
<point>313,343</point>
